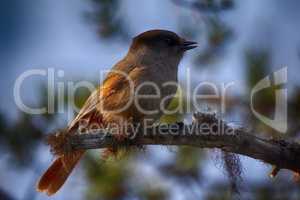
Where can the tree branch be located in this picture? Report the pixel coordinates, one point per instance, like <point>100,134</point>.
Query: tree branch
<point>207,131</point>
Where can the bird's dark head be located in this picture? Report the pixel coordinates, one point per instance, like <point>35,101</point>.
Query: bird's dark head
<point>161,42</point>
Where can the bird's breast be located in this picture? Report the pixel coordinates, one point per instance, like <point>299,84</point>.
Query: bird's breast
<point>154,87</point>
<point>155,90</point>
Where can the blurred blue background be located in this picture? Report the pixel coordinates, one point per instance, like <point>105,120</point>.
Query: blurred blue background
<point>239,41</point>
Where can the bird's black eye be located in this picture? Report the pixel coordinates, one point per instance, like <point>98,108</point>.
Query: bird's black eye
<point>169,41</point>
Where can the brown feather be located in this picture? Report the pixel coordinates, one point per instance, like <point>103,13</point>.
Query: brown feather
<point>57,174</point>
<point>50,174</point>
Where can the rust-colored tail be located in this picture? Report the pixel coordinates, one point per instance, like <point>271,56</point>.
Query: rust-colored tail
<point>56,175</point>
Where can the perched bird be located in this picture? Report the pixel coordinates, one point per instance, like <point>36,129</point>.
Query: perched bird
<point>153,57</point>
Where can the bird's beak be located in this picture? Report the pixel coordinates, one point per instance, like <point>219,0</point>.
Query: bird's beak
<point>187,45</point>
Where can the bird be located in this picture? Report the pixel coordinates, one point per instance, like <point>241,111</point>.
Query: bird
<point>153,57</point>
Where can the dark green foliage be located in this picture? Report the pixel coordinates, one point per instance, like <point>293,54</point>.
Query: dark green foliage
<point>105,14</point>
<point>21,140</point>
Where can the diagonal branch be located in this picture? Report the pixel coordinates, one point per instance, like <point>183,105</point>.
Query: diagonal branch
<point>208,132</point>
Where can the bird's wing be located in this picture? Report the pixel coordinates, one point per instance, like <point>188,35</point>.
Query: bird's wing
<point>114,93</point>
<point>88,109</point>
